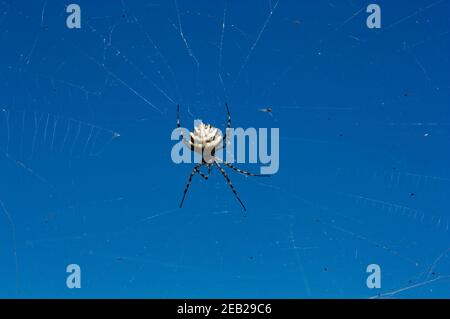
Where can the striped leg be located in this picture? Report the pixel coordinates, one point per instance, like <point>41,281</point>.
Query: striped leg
<point>178,121</point>
<point>229,116</point>
<point>225,137</point>
<point>229,183</point>
<point>240,171</point>
<point>185,140</point>
<point>195,170</point>
<point>209,172</point>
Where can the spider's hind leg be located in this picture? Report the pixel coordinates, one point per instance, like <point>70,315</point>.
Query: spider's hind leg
<point>230,184</point>
<point>195,170</point>
<point>240,171</point>
<point>206,176</point>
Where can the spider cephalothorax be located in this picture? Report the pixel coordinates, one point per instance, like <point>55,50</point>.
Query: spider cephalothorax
<point>206,140</point>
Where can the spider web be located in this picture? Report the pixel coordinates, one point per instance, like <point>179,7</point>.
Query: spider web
<point>85,165</point>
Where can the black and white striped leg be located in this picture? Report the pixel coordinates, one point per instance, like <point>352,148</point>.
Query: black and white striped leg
<point>178,121</point>
<point>186,141</point>
<point>225,137</point>
<point>240,171</point>
<point>229,116</point>
<point>209,172</point>
<point>195,170</point>
<point>230,184</point>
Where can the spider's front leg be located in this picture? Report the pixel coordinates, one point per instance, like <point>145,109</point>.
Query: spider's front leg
<point>178,122</point>
<point>225,135</point>
<point>185,140</point>
<point>178,116</point>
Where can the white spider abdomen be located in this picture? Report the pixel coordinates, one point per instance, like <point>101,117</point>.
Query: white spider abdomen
<point>205,140</point>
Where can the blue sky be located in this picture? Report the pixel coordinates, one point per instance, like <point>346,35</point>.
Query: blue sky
<point>87,177</point>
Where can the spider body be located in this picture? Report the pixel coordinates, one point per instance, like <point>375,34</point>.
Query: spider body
<point>206,140</point>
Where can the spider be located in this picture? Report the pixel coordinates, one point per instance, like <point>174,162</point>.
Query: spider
<point>206,140</point>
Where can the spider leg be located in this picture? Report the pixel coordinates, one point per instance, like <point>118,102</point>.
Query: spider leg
<point>195,170</point>
<point>178,121</point>
<point>229,183</point>
<point>204,175</point>
<point>229,116</point>
<point>185,140</point>
<point>225,137</point>
<point>178,116</point>
<point>240,171</point>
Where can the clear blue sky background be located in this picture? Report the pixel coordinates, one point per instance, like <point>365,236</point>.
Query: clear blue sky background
<point>364,149</point>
